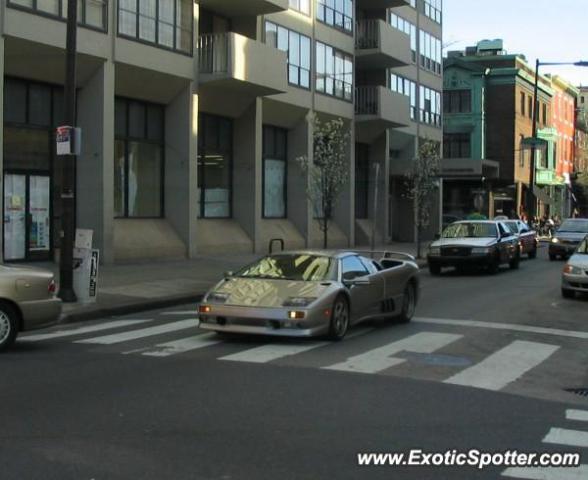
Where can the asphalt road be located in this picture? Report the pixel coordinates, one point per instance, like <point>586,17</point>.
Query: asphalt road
<point>484,365</point>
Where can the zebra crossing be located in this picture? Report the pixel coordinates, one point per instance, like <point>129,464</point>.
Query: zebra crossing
<point>565,439</point>
<point>364,351</point>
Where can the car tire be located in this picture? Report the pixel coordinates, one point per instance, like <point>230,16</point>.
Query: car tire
<point>516,261</point>
<point>339,323</point>
<point>566,293</point>
<point>434,269</point>
<point>409,301</point>
<point>533,253</point>
<point>8,325</point>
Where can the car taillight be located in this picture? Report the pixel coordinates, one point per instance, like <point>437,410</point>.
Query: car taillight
<point>52,288</point>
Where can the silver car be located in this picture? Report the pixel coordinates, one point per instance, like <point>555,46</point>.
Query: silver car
<point>27,301</point>
<point>308,293</point>
<point>575,272</point>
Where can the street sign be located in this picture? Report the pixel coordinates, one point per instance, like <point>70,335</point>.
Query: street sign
<point>69,140</point>
<point>532,142</point>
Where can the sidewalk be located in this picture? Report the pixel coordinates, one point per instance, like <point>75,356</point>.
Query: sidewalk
<point>136,287</point>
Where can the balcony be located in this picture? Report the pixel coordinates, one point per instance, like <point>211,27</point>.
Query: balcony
<point>378,45</point>
<point>376,109</point>
<point>234,62</point>
<point>244,8</point>
<point>373,4</point>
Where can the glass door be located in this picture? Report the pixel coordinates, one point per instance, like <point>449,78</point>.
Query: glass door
<point>39,220</point>
<point>14,217</point>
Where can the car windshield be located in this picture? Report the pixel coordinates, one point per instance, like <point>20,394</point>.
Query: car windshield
<point>583,247</point>
<point>574,226</point>
<point>470,230</point>
<point>302,267</point>
<point>513,226</point>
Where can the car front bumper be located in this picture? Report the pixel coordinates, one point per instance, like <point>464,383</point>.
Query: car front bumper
<point>562,248</point>
<point>264,321</point>
<point>577,283</point>
<point>40,313</point>
<point>461,261</point>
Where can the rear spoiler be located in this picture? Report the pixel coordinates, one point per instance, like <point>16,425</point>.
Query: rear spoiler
<point>385,254</point>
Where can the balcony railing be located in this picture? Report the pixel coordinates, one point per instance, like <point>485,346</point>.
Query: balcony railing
<point>367,100</point>
<point>368,34</point>
<point>213,53</point>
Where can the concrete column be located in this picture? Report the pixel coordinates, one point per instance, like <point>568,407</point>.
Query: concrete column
<point>181,143</point>
<point>299,145</point>
<point>2,133</point>
<point>345,209</point>
<point>247,162</point>
<point>95,169</point>
<point>379,155</point>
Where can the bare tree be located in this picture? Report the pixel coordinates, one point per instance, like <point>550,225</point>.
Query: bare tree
<point>328,173</point>
<point>421,182</point>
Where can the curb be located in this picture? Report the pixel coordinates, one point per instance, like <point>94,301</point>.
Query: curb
<point>96,312</point>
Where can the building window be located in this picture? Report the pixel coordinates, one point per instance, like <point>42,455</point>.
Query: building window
<point>522,103</point>
<point>405,87</point>
<point>456,145</point>
<point>544,113</point>
<point>138,159</point>
<point>297,47</point>
<point>430,52</point>
<point>275,171</point>
<point>301,6</point>
<point>457,101</point>
<point>337,13</point>
<point>91,13</point>
<point>432,9</point>
<point>334,72</point>
<point>166,23</point>
<point>362,180</point>
<point>530,109</point>
<point>215,166</point>
<point>430,106</point>
<point>406,27</point>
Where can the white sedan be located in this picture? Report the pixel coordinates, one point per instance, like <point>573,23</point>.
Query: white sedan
<point>575,272</point>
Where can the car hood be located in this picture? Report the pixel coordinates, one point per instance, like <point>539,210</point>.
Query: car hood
<point>464,242</point>
<point>579,260</point>
<point>261,292</point>
<point>570,236</point>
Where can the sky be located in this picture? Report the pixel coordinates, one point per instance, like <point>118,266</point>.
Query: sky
<point>551,30</point>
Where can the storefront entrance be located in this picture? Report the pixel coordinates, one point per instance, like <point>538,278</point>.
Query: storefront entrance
<point>27,216</point>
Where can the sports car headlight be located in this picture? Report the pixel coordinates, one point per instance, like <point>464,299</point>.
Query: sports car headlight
<point>298,301</point>
<point>555,240</point>
<point>572,270</point>
<point>435,251</point>
<point>481,250</point>
<point>217,297</point>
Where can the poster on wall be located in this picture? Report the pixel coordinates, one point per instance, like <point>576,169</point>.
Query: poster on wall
<point>39,233</point>
<point>14,216</point>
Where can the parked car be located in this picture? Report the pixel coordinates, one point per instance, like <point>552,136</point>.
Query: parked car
<point>574,277</point>
<point>449,219</point>
<point>308,293</point>
<point>483,243</point>
<point>27,301</point>
<point>567,237</point>
<point>528,242</point>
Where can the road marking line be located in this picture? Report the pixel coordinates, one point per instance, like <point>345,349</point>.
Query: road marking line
<point>81,330</point>
<point>145,332</point>
<point>185,312</point>
<point>268,353</point>
<point>504,366</point>
<point>504,326</point>
<point>179,346</point>
<point>548,473</point>
<point>562,436</point>
<point>381,358</point>
<point>581,415</point>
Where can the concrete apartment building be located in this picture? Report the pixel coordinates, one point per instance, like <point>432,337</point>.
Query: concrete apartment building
<point>194,115</point>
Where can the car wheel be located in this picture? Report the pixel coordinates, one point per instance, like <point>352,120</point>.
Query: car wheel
<point>515,262</point>
<point>339,323</point>
<point>434,269</point>
<point>409,300</point>
<point>8,325</point>
<point>533,253</point>
<point>552,256</point>
<point>567,293</point>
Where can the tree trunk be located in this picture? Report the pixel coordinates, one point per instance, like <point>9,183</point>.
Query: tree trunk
<point>325,229</point>
<point>418,240</point>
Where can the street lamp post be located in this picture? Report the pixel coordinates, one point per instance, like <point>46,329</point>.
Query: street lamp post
<point>531,203</point>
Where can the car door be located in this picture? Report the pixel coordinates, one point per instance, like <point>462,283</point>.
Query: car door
<point>507,242</point>
<point>351,269</point>
<point>374,292</point>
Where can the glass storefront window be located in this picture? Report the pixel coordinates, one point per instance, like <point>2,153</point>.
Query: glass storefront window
<point>274,172</point>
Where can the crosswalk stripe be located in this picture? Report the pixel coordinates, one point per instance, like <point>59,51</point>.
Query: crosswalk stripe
<point>563,436</point>
<point>381,358</point>
<point>504,366</point>
<point>504,326</point>
<point>179,346</point>
<point>81,330</point>
<point>268,353</point>
<point>581,415</point>
<point>145,332</point>
<point>548,473</point>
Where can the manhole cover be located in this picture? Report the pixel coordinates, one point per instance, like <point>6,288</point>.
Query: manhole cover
<point>445,360</point>
<point>582,391</point>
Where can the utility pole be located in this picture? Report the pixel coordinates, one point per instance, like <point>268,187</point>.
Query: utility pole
<point>531,203</point>
<point>66,291</point>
